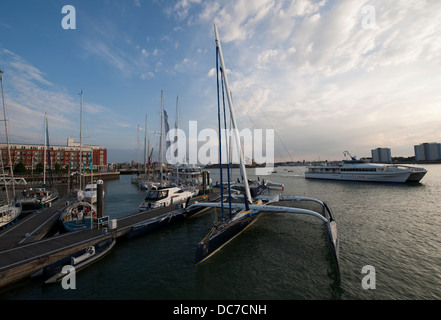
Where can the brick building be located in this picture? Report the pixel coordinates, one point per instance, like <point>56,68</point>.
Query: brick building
<point>32,154</point>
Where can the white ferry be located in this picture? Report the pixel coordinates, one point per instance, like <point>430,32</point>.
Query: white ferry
<point>359,170</point>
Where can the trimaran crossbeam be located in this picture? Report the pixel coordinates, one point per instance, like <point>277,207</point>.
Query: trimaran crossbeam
<point>247,213</point>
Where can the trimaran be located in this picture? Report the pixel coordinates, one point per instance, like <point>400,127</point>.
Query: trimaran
<point>242,215</point>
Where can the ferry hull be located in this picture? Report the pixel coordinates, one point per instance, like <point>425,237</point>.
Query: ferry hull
<point>416,176</point>
<point>386,178</point>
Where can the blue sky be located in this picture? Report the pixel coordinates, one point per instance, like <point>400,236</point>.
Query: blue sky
<point>308,69</point>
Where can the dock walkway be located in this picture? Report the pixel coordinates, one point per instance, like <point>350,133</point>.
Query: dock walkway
<point>32,227</point>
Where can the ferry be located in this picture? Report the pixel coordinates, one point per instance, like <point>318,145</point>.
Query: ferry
<point>360,170</point>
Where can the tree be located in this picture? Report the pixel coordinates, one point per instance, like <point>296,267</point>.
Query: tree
<point>57,167</point>
<point>39,168</point>
<point>20,168</point>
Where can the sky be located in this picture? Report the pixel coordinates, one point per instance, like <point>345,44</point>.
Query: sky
<point>327,76</point>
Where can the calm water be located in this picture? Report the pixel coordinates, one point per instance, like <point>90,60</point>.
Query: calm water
<point>394,228</point>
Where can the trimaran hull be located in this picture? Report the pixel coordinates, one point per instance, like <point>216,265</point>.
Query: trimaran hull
<point>220,236</point>
<point>223,234</point>
<point>228,229</point>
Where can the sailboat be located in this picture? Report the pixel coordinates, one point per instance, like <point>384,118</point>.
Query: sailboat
<point>80,214</point>
<point>145,182</point>
<point>243,215</point>
<point>164,194</point>
<point>11,210</point>
<point>38,198</point>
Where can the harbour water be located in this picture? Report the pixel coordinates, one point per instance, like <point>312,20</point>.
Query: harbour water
<point>392,228</point>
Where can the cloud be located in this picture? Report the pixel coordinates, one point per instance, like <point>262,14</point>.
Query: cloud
<point>311,69</point>
<point>307,68</point>
<point>181,9</point>
<point>116,58</point>
<point>115,46</point>
<point>29,95</point>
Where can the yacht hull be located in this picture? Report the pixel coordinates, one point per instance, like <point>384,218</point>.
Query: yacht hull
<point>155,223</point>
<point>220,236</point>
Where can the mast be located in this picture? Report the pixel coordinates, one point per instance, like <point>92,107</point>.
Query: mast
<point>161,137</point>
<point>177,126</point>
<point>220,137</point>
<point>145,149</point>
<point>11,170</point>
<point>243,172</point>
<point>81,135</point>
<point>45,149</point>
<point>139,157</point>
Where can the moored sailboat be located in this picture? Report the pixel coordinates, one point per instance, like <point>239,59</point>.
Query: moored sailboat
<point>55,272</point>
<point>38,198</point>
<point>243,215</point>
<point>79,215</point>
<point>11,210</point>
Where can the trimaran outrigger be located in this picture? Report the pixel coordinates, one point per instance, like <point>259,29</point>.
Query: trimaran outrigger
<point>242,215</point>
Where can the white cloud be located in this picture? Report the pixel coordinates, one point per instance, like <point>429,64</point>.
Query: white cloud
<point>29,95</point>
<point>318,75</point>
<point>307,68</point>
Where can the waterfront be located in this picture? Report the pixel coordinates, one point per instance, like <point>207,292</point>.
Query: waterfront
<point>393,228</point>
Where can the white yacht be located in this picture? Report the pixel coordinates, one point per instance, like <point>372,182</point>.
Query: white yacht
<point>188,174</point>
<point>164,197</point>
<point>90,192</point>
<point>9,213</point>
<point>360,170</point>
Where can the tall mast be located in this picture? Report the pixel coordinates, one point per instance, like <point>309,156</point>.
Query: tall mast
<point>11,170</point>
<point>139,157</point>
<point>145,149</point>
<point>161,137</point>
<point>45,149</point>
<point>233,117</point>
<point>177,126</point>
<point>81,135</point>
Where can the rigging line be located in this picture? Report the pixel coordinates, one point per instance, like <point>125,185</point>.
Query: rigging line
<point>255,125</point>
<point>261,110</point>
<point>267,118</point>
<point>227,151</point>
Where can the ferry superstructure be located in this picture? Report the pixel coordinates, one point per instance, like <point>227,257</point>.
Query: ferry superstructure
<point>359,170</point>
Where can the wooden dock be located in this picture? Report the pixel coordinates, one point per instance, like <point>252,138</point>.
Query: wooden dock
<point>33,227</point>
<point>24,252</point>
